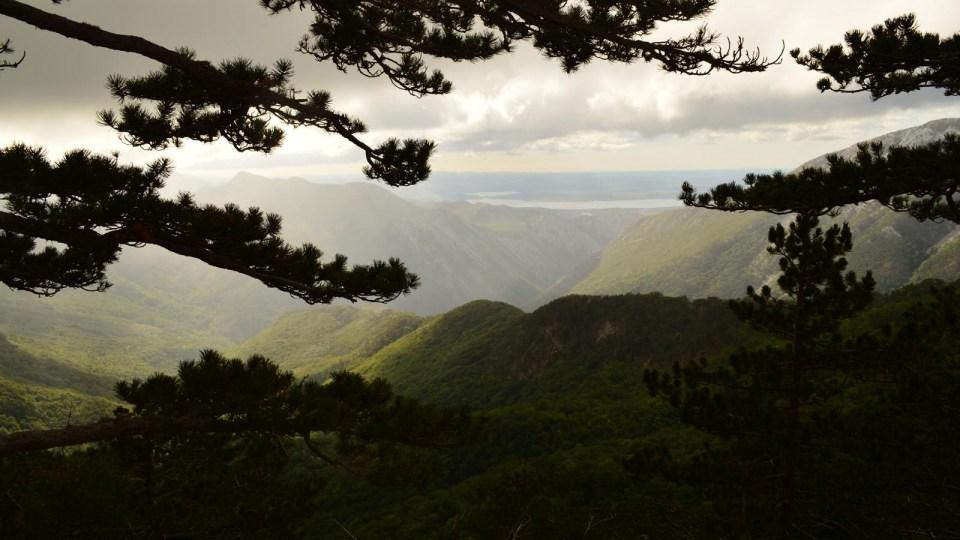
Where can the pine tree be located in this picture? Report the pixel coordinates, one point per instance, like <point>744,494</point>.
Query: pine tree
<point>217,395</point>
<point>172,449</point>
<point>210,452</point>
<point>782,411</point>
<point>758,401</point>
<point>94,206</point>
<point>892,58</point>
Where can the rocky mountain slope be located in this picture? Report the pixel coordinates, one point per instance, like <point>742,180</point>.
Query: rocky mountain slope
<point>702,253</point>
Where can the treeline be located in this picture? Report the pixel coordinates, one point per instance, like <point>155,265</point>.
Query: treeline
<point>579,447</point>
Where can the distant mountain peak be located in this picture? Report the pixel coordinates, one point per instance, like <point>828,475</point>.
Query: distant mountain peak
<point>914,136</point>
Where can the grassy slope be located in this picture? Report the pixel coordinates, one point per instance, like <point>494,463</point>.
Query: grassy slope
<point>112,336</point>
<point>694,252</point>
<point>703,253</point>
<point>944,263</point>
<point>318,340</point>
<point>18,365</point>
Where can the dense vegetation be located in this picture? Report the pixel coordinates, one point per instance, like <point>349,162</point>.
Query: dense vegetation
<point>320,341</point>
<point>39,393</point>
<point>570,393</point>
<point>35,406</point>
<point>561,402</point>
<point>779,412</point>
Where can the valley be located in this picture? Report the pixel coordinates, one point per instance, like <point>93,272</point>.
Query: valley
<point>545,324</point>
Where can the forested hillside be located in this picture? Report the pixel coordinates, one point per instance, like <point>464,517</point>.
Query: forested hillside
<point>461,251</point>
<point>133,330</point>
<point>487,353</point>
<point>700,253</point>
<point>560,405</point>
<point>559,390</point>
<point>38,393</point>
<point>562,399</point>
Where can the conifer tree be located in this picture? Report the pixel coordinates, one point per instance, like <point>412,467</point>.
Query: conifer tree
<point>219,395</point>
<point>243,103</point>
<point>893,58</point>
<point>210,452</point>
<point>760,396</point>
<point>758,403</point>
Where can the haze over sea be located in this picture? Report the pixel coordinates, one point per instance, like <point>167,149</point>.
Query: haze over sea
<point>592,190</point>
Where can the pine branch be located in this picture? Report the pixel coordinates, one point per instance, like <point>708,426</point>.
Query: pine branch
<point>892,58</point>
<point>94,206</point>
<point>381,38</point>
<point>393,162</point>
<point>6,48</point>
<point>386,281</point>
<point>123,427</point>
<point>922,181</point>
<point>216,395</point>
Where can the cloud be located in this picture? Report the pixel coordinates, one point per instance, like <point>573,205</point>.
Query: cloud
<point>513,106</point>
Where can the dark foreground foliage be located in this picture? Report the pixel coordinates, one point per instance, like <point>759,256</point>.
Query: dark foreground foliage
<point>577,448</point>
<point>225,449</point>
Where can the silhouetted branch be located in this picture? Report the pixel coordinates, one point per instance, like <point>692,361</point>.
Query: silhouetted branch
<point>6,48</point>
<point>318,288</point>
<point>108,430</point>
<point>395,163</point>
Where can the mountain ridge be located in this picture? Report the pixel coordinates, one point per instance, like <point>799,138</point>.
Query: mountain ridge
<point>701,253</point>
<point>910,137</point>
<point>163,308</point>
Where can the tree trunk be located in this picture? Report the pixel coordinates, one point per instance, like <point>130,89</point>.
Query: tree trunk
<point>108,430</point>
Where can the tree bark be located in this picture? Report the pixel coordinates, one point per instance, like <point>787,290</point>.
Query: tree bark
<point>108,430</point>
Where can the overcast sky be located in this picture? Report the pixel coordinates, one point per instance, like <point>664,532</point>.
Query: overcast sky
<point>519,112</point>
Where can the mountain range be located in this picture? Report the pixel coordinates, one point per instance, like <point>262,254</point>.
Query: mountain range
<point>701,253</point>
<point>162,308</point>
